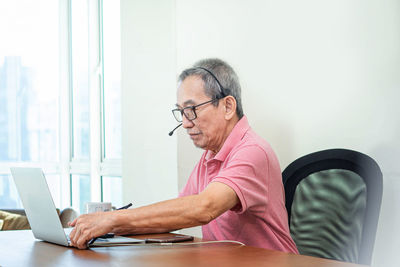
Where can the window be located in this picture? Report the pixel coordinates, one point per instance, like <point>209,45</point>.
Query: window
<point>80,80</point>
<point>9,196</point>
<point>28,82</point>
<point>112,79</point>
<point>112,190</point>
<point>60,98</point>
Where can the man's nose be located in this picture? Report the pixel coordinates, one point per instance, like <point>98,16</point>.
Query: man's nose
<point>186,123</point>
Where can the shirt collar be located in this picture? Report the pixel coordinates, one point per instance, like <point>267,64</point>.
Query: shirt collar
<point>237,133</point>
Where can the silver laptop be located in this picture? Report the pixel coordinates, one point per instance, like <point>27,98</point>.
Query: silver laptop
<point>42,214</point>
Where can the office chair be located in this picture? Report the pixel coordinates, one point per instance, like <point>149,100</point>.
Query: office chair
<point>333,199</point>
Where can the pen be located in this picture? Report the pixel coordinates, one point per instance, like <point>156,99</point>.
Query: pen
<point>109,235</point>
<point>125,207</point>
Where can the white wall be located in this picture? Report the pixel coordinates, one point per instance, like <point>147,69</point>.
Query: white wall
<point>315,74</point>
<point>149,165</point>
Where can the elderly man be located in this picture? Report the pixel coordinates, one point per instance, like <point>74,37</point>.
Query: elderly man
<point>235,191</point>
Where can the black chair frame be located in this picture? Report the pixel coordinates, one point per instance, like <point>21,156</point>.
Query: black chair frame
<point>344,159</point>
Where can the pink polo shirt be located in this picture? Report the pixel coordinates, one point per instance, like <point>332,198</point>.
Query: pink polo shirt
<point>248,165</point>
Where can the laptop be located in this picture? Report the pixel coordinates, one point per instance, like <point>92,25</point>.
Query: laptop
<point>42,214</point>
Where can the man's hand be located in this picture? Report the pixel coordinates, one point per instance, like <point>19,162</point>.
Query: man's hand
<point>89,226</point>
<point>159,217</point>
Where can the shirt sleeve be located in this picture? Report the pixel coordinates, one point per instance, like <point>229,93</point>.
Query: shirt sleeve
<point>246,172</point>
<point>191,186</point>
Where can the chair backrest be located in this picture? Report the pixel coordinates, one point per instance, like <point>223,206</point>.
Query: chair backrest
<point>333,199</point>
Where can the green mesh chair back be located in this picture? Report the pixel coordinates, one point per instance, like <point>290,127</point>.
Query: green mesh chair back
<point>333,199</point>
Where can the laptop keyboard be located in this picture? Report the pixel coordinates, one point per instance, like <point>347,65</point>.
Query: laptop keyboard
<point>67,231</point>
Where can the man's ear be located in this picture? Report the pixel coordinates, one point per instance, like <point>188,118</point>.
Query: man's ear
<point>230,107</point>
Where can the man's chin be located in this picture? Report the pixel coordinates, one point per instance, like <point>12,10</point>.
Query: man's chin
<point>198,144</point>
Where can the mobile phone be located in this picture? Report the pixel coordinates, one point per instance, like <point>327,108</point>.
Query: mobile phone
<point>170,239</point>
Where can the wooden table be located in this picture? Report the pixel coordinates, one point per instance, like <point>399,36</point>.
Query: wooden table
<point>20,248</point>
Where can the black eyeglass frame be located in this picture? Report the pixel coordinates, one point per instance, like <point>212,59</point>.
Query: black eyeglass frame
<point>192,108</point>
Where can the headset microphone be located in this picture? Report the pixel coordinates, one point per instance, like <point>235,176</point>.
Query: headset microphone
<point>172,132</point>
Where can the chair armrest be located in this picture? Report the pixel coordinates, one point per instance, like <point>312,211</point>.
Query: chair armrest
<point>15,211</point>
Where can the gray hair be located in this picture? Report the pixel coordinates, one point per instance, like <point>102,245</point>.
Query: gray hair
<point>225,75</point>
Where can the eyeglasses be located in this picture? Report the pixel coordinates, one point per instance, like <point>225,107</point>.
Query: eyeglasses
<point>189,112</point>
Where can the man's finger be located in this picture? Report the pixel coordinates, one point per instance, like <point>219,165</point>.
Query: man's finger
<point>77,233</point>
<point>72,234</point>
<point>82,242</point>
<point>73,223</point>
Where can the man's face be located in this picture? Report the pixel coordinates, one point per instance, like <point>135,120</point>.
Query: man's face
<point>207,131</point>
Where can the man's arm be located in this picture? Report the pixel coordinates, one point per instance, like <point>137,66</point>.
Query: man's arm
<point>159,217</point>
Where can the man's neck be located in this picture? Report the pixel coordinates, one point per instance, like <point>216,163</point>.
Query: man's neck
<point>232,123</point>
